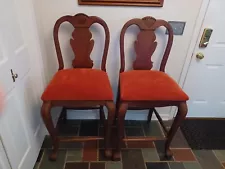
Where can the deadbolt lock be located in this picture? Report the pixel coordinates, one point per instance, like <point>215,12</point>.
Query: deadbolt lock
<point>205,38</point>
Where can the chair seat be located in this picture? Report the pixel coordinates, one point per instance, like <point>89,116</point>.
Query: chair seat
<point>149,85</point>
<point>79,84</point>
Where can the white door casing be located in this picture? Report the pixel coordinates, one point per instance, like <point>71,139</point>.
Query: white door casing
<point>205,82</point>
<point>20,121</point>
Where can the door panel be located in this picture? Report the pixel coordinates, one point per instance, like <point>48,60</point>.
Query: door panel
<point>29,103</point>
<point>21,62</point>
<point>205,82</point>
<point>13,131</point>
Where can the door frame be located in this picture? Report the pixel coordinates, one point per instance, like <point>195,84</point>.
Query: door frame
<point>195,39</point>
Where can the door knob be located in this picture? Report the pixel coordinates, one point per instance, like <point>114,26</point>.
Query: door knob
<point>14,75</point>
<point>200,56</point>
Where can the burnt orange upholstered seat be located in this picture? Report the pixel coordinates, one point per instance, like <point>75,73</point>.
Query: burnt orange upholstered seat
<point>79,84</point>
<point>149,85</point>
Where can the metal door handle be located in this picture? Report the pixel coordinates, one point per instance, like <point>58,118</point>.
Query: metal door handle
<point>200,56</point>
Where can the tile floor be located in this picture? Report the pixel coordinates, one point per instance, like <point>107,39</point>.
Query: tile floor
<point>135,155</point>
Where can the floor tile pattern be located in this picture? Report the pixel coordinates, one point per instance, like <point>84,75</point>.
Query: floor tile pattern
<point>135,155</point>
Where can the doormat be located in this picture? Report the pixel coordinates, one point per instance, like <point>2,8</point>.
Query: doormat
<point>204,133</point>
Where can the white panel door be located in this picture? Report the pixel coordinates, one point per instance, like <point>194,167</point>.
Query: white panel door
<point>20,121</point>
<point>205,81</point>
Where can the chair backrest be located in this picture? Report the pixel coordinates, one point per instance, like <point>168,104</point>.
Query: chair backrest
<point>146,44</point>
<point>81,42</point>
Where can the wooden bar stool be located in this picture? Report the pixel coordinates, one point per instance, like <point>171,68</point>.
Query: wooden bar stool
<point>143,88</point>
<point>80,87</point>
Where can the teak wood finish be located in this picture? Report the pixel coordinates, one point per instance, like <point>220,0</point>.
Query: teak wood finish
<point>145,46</point>
<point>82,45</point>
<point>153,3</point>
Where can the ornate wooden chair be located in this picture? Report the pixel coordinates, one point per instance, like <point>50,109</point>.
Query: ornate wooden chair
<point>143,88</point>
<point>80,87</point>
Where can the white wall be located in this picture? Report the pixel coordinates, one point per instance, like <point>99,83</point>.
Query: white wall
<point>48,11</point>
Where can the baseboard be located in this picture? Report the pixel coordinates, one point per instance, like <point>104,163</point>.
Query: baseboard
<point>131,115</point>
<point>206,118</point>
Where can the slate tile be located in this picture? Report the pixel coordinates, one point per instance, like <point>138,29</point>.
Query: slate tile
<point>47,143</point>
<point>70,128</point>
<point>183,155</point>
<point>153,129</point>
<point>176,165</point>
<point>89,128</point>
<point>68,131</point>
<point>132,159</point>
<point>220,154</point>
<point>101,155</point>
<point>157,165</point>
<point>70,145</point>
<point>97,165</point>
<point>168,123</point>
<point>179,141</point>
<point>140,144</point>
<point>134,123</point>
<point>191,165</point>
<point>74,155</point>
<point>207,159</point>
<point>160,147</point>
<point>133,131</point>
<point>90,151</point>
<point>101,145</point>
<point>113,165</point>
<point>63,145</point>
<point>73,122</point>
<point>77,165</point>
<point>150,154</point>
<point>101,131</point>
<point>58,164</point>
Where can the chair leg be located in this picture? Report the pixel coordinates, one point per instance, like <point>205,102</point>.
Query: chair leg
<point>111,115</point>
<point>181,114</point>
<point>120,129</point>
<point>46,116</point>
<point>102,115</point>
<point>117,104</point>
<point>150,115</point>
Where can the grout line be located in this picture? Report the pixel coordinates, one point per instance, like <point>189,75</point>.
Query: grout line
<point>143,130</point>
<point>156,150</point>
<point>121,158</point>
<point>65,160</point>
<point>218,158</point>
<point>160,128</point>
<point>41,159</point>
<point>180,148</point>
<point>194,156</point>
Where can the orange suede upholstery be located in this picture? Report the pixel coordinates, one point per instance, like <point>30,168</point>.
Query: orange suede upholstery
<point>149,85</point>
<point>79,84</point>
